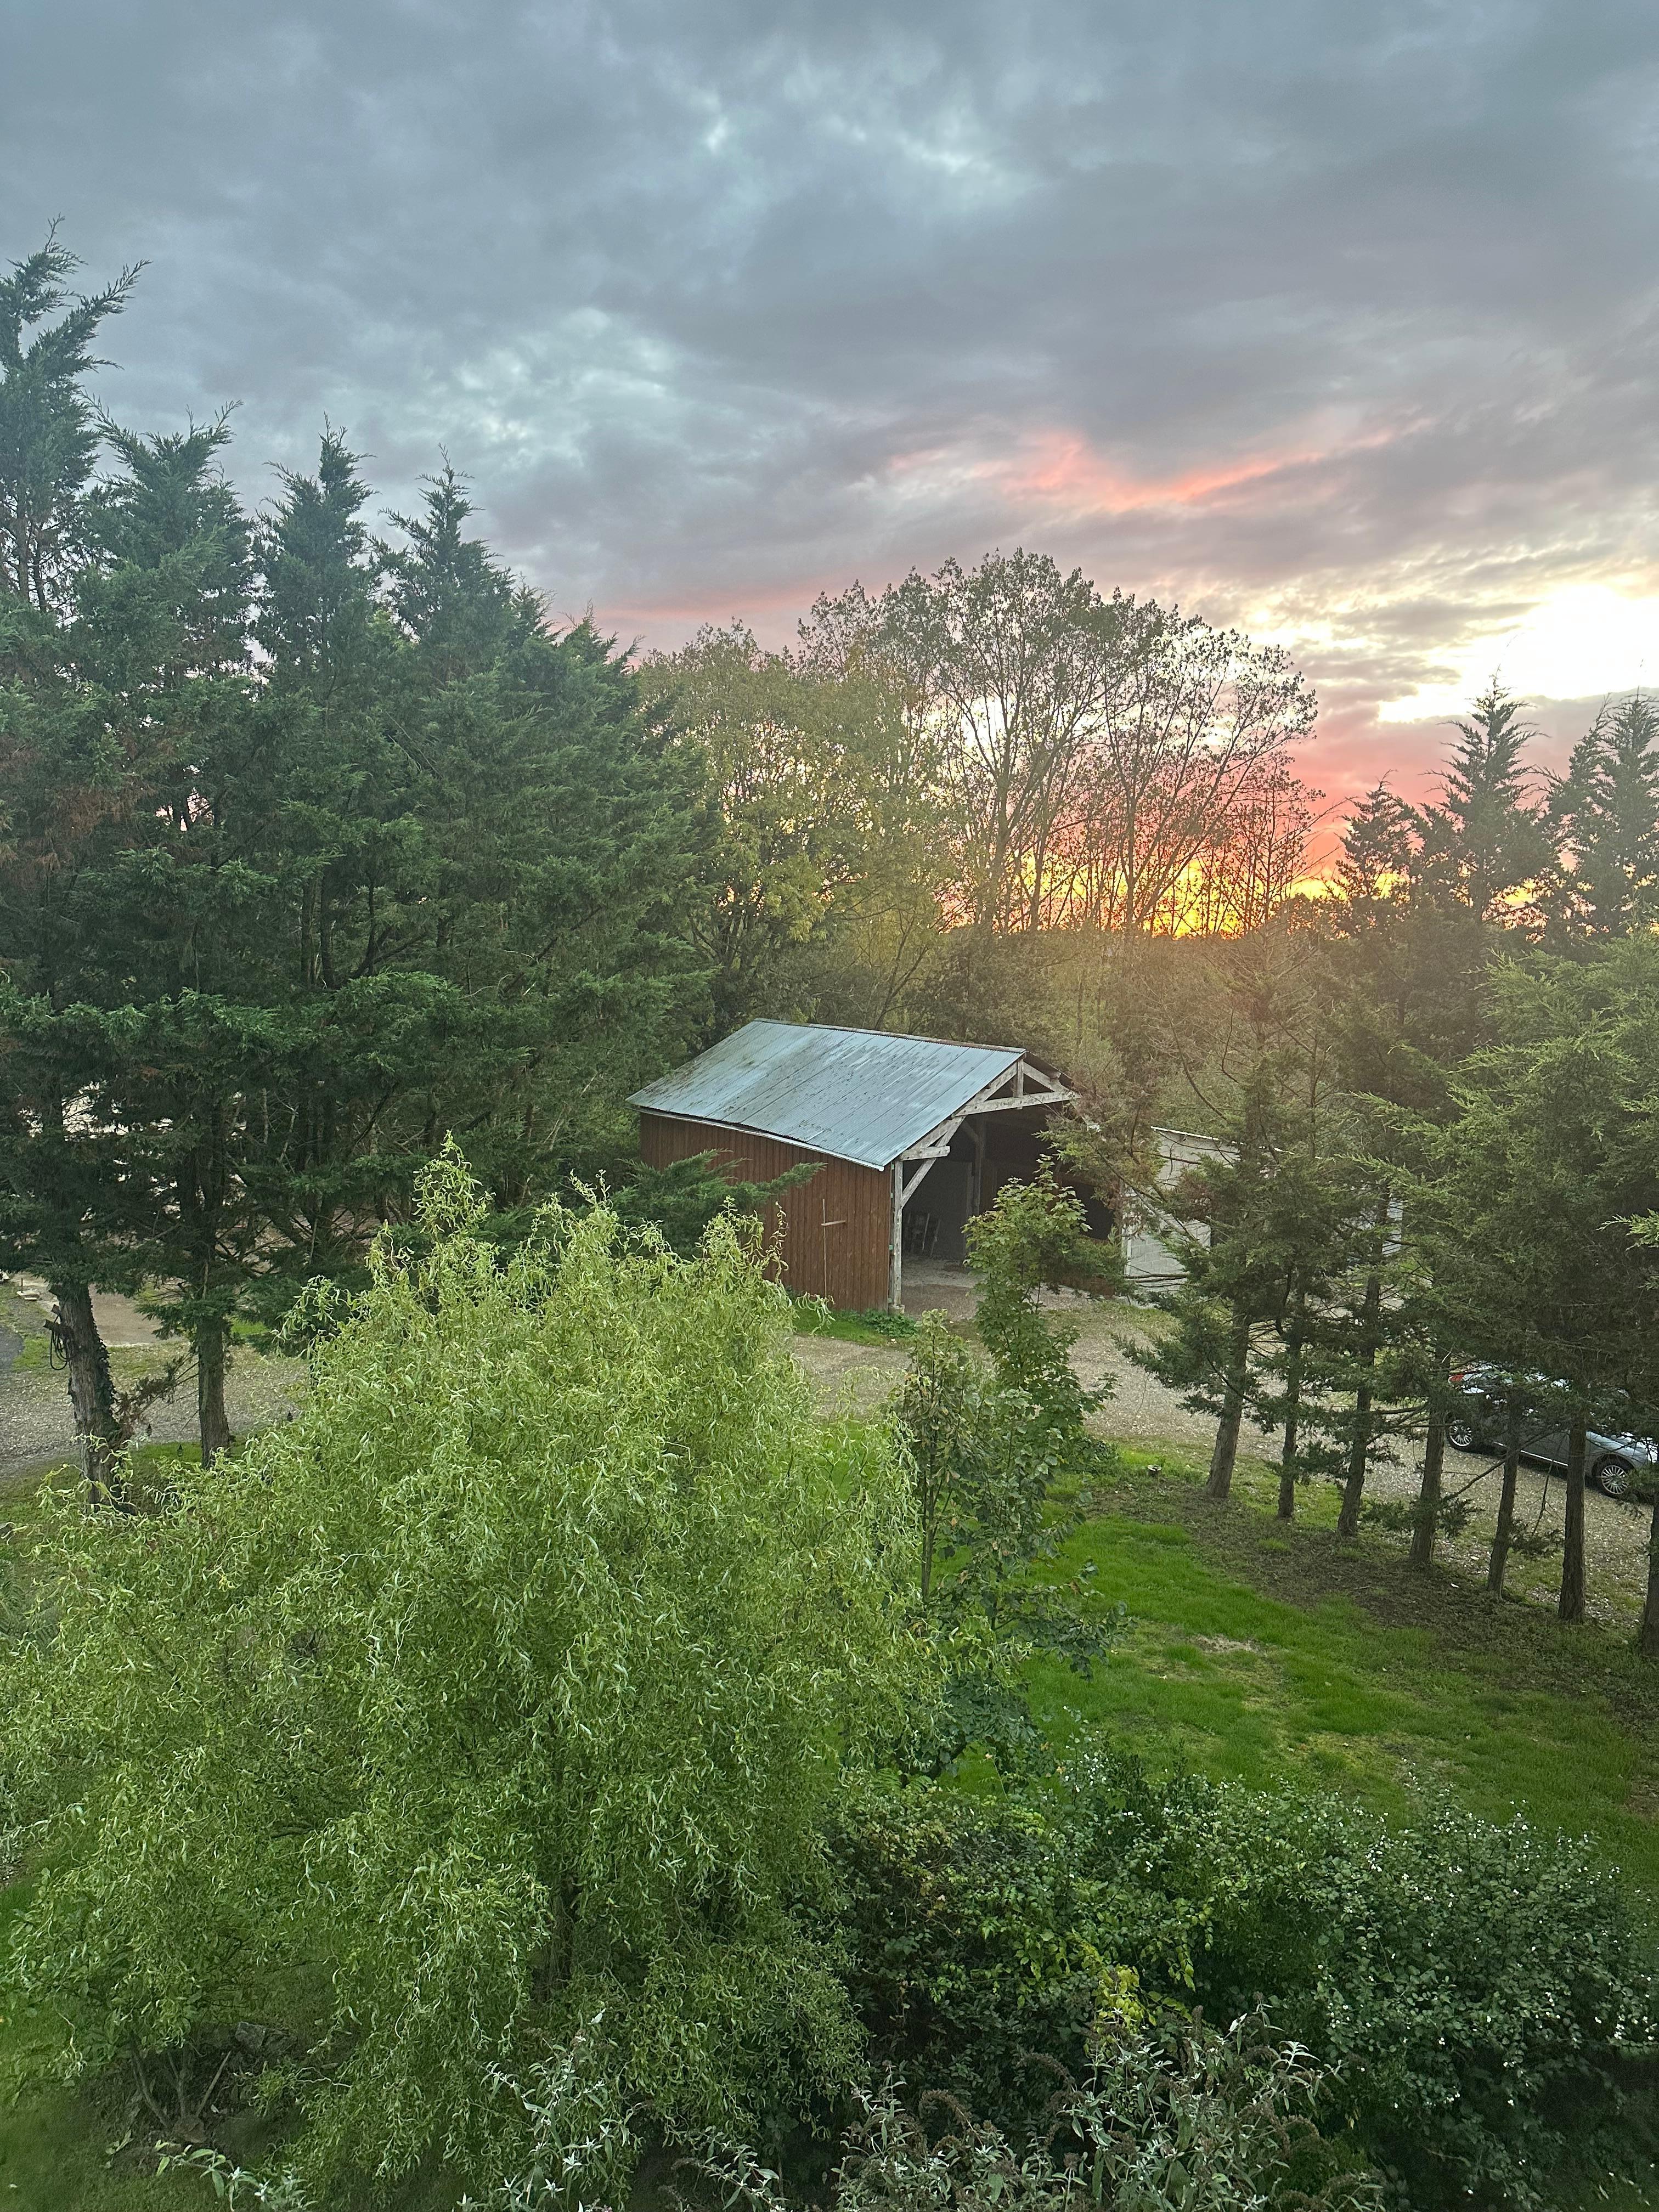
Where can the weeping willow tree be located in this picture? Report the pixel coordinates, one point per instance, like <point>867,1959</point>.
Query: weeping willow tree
<point>476,1723</point>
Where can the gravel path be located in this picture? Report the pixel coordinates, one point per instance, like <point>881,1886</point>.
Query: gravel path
<point>36,1425</point>
<point>857,1378</point>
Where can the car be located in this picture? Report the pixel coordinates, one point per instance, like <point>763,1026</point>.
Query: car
<point>1617,1459</point>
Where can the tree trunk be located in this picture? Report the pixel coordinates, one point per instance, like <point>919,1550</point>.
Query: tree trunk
<point>1232,1410</point>
<point>1292,1429</point>
<point>1428,1494</point>
<point>1497,1565</point>
<point>213,1423</point>
<point>1647,1636</point>
<point>91,1388</point>
<point>1571,1607</point>
<point>1359,1452</point>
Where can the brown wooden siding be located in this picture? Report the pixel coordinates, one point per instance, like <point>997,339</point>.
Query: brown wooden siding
<point>834,1227</point>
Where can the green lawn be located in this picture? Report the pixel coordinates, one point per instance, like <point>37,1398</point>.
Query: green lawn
<point>1249,1659</point>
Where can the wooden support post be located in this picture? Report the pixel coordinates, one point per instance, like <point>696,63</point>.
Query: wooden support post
<point>896,1242</point>
<point>976,1194</point>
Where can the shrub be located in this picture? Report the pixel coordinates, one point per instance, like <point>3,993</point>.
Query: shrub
<point>1034,1237</point>
<point>504,1689</point>
<point>1477,1990</point>
<point>970,1942</point>
<point>1480,1987</point>
<point>981,1457</point>
<point>1177,2118</point>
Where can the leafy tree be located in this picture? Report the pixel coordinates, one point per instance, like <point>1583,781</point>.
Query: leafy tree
<point>499,1694</point>
<point>938,1417</point>
<point>1092,752</point>
<point>1035,1238</point>
<point>995,1457</point>
<point>829,855</point>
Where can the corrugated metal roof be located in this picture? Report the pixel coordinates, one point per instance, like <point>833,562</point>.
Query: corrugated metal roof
<point>858,1095</point>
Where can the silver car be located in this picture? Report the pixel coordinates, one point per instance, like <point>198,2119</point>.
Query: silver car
<point>1615,1460</point>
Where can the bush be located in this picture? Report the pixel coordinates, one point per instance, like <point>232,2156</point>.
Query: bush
<point>1480,1988</point>
<point>502,1691</point>
<point>1477,1990</point>
<point>1176,2118</point>
<point>1035,1236</point>
<point>970,1942</point>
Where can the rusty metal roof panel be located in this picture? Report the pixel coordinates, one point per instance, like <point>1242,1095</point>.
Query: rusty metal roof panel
<point>857,1095</point>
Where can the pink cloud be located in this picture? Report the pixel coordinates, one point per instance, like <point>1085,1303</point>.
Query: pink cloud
<point>1062,471</point>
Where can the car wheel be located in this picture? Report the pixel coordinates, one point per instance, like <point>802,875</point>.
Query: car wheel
<point>1459,1434</point>
<point>1612,1474</point>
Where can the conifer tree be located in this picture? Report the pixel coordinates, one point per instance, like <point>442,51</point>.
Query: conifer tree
<point>65,770</point>
<point>1607,810</point>
<point>1268,1214</point>
<point>1529,1198</point>
<point>1488,846</point>
<point>316,851</point>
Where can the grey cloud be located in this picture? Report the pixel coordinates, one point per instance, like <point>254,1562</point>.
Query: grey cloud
<point>717,301</point>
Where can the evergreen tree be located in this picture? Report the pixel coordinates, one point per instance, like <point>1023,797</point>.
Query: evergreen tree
<point>314,851</point>
<point>1607,810</point>
<point>1269,1213</point>
<point>1487,845</point>
<point>1529,1200</point>
<point>1411,955</point>
<point>49,430</point>
<point>66,759</point>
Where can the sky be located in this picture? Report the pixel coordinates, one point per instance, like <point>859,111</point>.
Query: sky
<point>1333,319</point>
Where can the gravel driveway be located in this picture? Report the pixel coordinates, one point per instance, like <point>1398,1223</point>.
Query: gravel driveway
<point>1140,1410</point>
<point>36,1425</point>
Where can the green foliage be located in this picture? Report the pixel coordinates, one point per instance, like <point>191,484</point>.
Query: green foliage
<point>315,848</point>
<point>1167,2119</point>
<point>970,1943</point>
<point>1035,1238</point>
<point>984,1458</point>
<point>503,1688</point>
<point>1487,845</point>
<point>683,1198</point>
<point>1606,808</point>
<point>48,426</point>
<point>1477,1990</point>
<point>828,856</point>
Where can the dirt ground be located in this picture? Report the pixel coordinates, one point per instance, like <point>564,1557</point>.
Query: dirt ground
<point>1140,1410</point>
<point>36,1426</point>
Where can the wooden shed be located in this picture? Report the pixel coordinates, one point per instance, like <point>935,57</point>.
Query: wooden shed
<point>911,1137</point>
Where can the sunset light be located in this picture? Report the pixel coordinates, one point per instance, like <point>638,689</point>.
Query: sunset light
<point>830,1106</point>
<point>1584,641</point>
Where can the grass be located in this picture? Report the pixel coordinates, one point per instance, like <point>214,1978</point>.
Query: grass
<point>1266,1655</point>
<point>875,1325</point>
